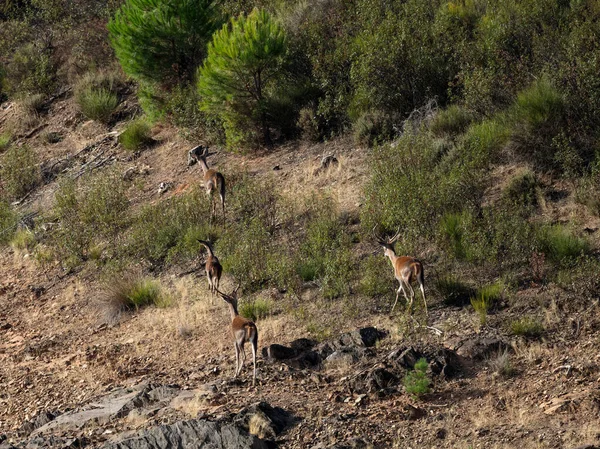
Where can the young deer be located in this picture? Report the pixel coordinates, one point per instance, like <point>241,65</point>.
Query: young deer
<point>212,179</point>
<point>406,270</point>
<point>213,267</point>
<point>243,331</point>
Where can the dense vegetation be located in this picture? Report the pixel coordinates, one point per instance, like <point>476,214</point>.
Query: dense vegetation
<point>460,88</point>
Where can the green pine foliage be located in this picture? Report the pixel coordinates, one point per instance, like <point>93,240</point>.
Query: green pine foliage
<point>416,382</point>
<point>239,76</point>
<point>160,41</point>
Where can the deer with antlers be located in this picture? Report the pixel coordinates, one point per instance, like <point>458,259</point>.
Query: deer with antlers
<point>213,267</point>
<point>243,331</point>
<point>406,270</point>
<point>213,179</point>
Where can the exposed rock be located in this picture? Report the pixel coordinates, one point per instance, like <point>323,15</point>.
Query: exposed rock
<point>279,352</point>
<point>115,405</point>
<point>264,421</point>
<point>36,422</point>
<point>190,434</point>
<point>445,362</point>
<point>344,356</point>
<point>405,358</point>
<point>477,348</point>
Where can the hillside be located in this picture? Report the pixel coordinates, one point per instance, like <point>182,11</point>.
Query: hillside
<point>469,130</point>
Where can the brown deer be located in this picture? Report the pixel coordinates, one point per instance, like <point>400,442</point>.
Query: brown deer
<point>213,267</point>
<point>243,331</point>
<point>212,179</point>
<point>406,270</point>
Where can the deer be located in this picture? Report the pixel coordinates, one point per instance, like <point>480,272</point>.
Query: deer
<point>407,269</point>
<point>212,179</point>
<point>243,331</point>
<point>213,267</point>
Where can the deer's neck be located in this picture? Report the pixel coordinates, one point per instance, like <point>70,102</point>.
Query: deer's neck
<point>391,255</point>
<point>203,165</point>
<point>232,310</point>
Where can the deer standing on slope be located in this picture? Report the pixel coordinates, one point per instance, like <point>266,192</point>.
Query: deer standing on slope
<point>243,331</point>
<point>213,268</point>
<point>213,179</point>
<point>406,270</point>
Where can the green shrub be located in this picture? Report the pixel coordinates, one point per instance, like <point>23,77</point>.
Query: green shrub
<point>453,228</point>
<point>527,327</point>
<point>238,79</point>
<point>97,104</point>
<point>483,141</point>
<point>375,127</point>
<point>487,297</point>
<point>31,70</point>
<point>91,211</point>
<point>376,276</point>
<point>130,292</point>
<point>5,139</point>
<point>416,382</point>
<point>324,254</point>
<point>168,230</point>
<point>451,122</point>
<point>255,310</point>
<point>588,189</point>
<point>136,135</point>
<point>539,104</point>
<point>19,171</point>
<point>560,244</point>
<point>453,291</point>
<point>23,239</point>
<point>8,222</point>
<point>523,190</point>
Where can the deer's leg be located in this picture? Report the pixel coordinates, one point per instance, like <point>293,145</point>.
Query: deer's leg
<point>243,358</point>
<point>397,294</point>
<point>237,358</point>
<point>253,344</point>
<point>424,300</point>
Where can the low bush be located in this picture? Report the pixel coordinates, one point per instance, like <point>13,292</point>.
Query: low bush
<point>451,122</point>
<point>136,135</point>
<point>168,230</point>
<point>23,239</point>
<point>560,244</point>
<point>375,276</point>
<point>96,95</point>
<point>5,139</point>
<point>325,254</point>
<point>527,327</point>
<point>31,70</point>
<point>19,171</point>
<point>90,211</point>
<point>8,222</point>
<point>523,190</point>
<point>33,104</point>
<point>375,127</point>
<point>97,104</point>
<point>416,382</point>
<point>255,310</point>
<point>454,292</point>
<point>130,292</point>
<point>502,364</point>
<point>487,297</point>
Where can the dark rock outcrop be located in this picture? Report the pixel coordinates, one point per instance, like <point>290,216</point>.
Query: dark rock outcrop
<point>190,434</point>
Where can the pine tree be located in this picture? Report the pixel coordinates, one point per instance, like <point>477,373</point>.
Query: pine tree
<point>244,59</point>
<point>163,41</point>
